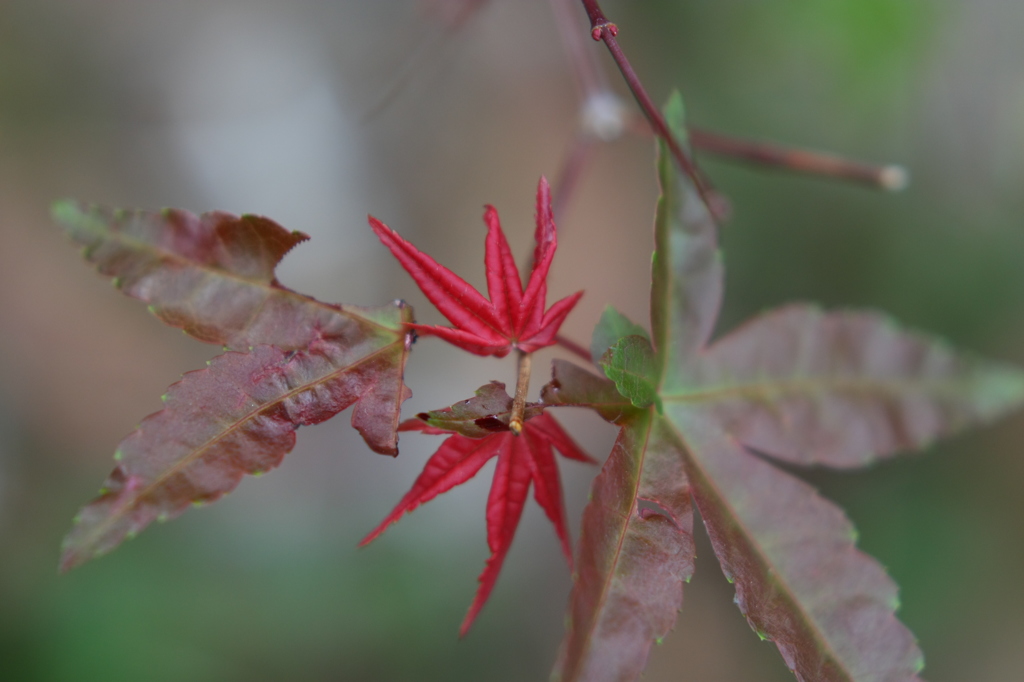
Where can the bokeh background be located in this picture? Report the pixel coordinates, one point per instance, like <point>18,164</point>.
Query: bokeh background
<point>274,107</point>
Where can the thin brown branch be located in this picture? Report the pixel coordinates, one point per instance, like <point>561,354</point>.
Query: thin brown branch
<point>573,347</point>
<point>426,47</point>
<point>602,29</point>
<point>569,175</point>
<point>889,177</point>
<point>602,115</point>
<point>515,422</point>
<point>892,177</point>
<point>420,52</point>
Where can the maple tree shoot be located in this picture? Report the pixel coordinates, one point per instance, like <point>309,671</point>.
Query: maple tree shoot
<point>703,419</point>
<point>514,317</point>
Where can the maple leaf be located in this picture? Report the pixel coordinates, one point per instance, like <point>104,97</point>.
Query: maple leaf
<point>522,460</point>
<point>301,361</point>
<point>514,317</point>
<point>807,387</point>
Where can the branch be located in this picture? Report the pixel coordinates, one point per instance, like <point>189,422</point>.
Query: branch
<point>574,348</point>
<point>569,175</point>
<point>602,29</point>
<point>889,177</point>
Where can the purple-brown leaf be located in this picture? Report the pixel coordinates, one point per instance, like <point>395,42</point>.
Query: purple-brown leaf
<point>686,270</point>
<point>800,580</point>
<point>843,388</point>
<point>213,276</point>
<point>489,411</point>
<point>574,387</point>
<point>840,389</point>
<point>238,416</point>
<point>635,552</point>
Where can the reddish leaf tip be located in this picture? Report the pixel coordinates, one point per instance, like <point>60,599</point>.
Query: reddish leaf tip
<point>381,527</point>
<point>488,578</point>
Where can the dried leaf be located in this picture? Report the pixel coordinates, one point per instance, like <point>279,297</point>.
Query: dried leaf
<point>486,413</point>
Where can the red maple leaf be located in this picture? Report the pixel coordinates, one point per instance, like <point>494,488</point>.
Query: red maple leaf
<point>522,460</point>
<point>513,317</point>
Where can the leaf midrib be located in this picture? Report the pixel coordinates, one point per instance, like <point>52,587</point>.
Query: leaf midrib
<point>759,389</point>
<point>198,451</point>
<point>773,573</point>
<point>219,272</point>
<point>606,583</point>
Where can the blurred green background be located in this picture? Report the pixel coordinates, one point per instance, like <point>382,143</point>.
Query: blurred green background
<point>270,107</point>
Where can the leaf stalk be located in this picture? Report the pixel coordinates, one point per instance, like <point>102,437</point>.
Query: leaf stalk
<point>515,422</point>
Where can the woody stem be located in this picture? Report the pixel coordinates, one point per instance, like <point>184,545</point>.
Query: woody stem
<point>573,347</point>
<point>602,29</point>
<point>889,177</point>
<point>515,422</point>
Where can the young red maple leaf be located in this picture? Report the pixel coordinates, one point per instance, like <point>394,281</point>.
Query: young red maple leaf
<point>513,317</point>
<point>522,460</point>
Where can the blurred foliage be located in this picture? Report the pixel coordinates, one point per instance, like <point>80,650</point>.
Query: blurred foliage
<point>267,585</point>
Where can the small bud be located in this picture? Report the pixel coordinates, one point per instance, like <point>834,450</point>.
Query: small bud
<point>894,178</point>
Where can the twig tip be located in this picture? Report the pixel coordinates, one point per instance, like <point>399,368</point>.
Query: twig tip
<point>597,32</point>
<point>894,178</point>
